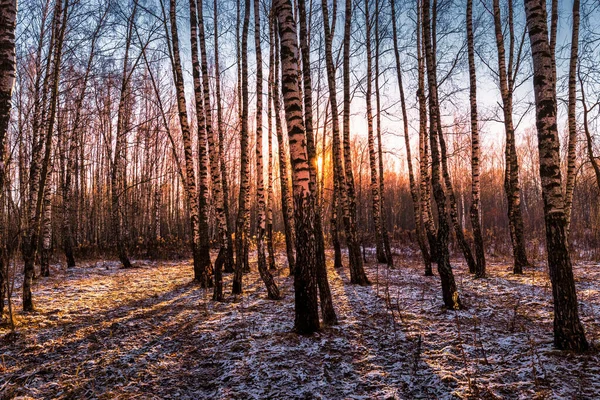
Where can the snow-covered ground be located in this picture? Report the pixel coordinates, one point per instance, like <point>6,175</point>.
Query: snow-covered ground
<point>103,332</point>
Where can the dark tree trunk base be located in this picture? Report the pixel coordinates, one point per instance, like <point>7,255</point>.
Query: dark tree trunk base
<point>305,283</point>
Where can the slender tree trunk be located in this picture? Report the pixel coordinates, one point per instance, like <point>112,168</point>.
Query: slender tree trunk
<point>8,24</point>
<point>270,196</point>
<point>375,195</point>
<point>220,133</point>
<point>475,211</point>
<point>190,174</point>
<point>414,189</point>
<point>40,166</point>
<point>213,152</point>
<point>46,226</point>
<point>357,272</point>
<point>305,213</point>
<point>287,206</point>
<point>272,289</point>
<point>119,166</point>
<point>384,232</point>
<point>335,237</point>
<point>572,117</point>
<point>458,229</point>
<point>327,310</point>
<point>568,330</point>
<point>511,177</point>
<point>241,236</point>
<point>339,179</point>
<point>203,272</point>
<point>449,291</point>
<point>424,165</point>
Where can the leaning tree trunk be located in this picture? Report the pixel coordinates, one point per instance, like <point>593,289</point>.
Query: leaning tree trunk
<point>375,195</point>
<point>272,289</point>
<point>241,235</point>
<point>475,211</point>
<point>414,190</point>
<point>327,310</point>
<point>449,291</point>
<point>213,152</point>
<point>357,272</point>
<point>287,207</point>
<point>305,287</point>
<point>8,24</point>
<point>511,176</point>
<point>190,174</point>
<point>568,330</point>
<point>572,117</point>
<point>458,229</point>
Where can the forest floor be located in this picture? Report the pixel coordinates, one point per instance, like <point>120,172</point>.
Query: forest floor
<point>103,332</point>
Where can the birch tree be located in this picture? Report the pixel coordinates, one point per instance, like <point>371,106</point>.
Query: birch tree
<point>8,24</point>
<point>272,289</point>
<point>568,329</point>
<point>305,282</point>
<point>190,174</point>
<point>475,211</point>
<point>449,291</point>
<point>511,176</point>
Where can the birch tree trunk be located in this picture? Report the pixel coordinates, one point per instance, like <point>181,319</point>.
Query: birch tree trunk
<point>287,206</point>
<point>39,165</point>
<point>215,172</point>
<point>384,232</point>
<point>190,174</point>
<point>458,229</point>
<point>357,272</point>
<point>46,229</point>
<point>326,302</point>
<point>375,195</point>
<point>270,196</point>
<point>228,266</point>
<point>272,289</point>
<point>414,189</point>
<point>203,270</point>
<point>339,179</point>
<point>424,161</point>
<point>449,291</point>
<point>8,24</point>
<point>511,176</point>
<point>568,330</point>
<point>572,117</point>
<point>241,232</point>
<point>118,174</point>
<point>305,275</point>
<point>475,211</point>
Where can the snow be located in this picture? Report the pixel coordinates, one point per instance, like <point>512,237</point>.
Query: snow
<point>148,332</point>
